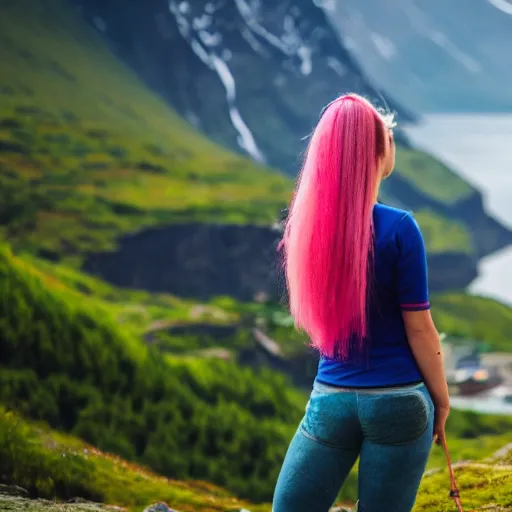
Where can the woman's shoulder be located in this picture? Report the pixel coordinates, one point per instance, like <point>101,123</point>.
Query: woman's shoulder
<point>390,214</point>
<point>393,224</point>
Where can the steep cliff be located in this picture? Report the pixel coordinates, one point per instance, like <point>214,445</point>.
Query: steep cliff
<point>251,75</point>
<point>91,154</point>
<point>254,76</point>
<point>205,260</point>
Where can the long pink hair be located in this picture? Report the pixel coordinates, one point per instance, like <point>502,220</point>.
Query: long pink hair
<point>328,239</point>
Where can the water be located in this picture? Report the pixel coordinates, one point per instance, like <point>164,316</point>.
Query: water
<point>479,147</point>
<point>488,404</point>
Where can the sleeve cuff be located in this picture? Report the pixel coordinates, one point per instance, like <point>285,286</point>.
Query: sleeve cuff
<point>419,306</point>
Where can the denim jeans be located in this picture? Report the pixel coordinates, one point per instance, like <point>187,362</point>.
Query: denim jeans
<point>391,430</point>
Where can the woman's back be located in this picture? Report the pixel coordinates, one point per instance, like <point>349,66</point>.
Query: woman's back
<point>399,284</point>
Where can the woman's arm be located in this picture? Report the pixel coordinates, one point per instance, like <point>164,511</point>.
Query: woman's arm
<point>426,347</point>
<point>412,287</point>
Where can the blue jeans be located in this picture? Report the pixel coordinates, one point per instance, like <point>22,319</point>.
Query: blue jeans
<point>391,430</point>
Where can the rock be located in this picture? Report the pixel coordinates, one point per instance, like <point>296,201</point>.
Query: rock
<point>22,504</point>
<point>159,507</point>
<point>194,260</point>
<point>13,490</point>
<point>202,261</point>
<point>343,509</point>
<point>286,60</point>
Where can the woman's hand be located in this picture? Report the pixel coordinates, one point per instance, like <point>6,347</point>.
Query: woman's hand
<point>441,415</point>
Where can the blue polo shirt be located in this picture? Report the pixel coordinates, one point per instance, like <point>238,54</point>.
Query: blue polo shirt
<point>400,285</point>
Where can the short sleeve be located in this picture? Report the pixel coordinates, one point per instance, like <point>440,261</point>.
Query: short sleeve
<point>412,266</point>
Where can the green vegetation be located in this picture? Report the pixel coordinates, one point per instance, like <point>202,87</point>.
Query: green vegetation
<point>482,487</point>
<point>138,311</point>
<point>147,314</point>
<point>88,152</point>
<point>65,361</point>
<point>474,318</point>
<point>53,465</point>
<point>442,234</point>
<point>50,465</point>
<point>431,177</point>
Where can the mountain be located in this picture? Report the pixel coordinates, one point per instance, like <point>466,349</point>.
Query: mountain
<point>434,55</point>
<point>252,75</point>
<point>100,172</point>
<point>88,153</point>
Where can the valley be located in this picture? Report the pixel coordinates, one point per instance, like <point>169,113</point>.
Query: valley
<point>146,353</point>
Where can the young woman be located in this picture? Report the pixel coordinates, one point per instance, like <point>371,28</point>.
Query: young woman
<point>357,282</point>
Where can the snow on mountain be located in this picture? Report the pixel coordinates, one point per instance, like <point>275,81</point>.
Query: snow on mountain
<point>251,74</point>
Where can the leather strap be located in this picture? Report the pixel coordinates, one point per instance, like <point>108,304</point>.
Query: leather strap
<point>454,491</point>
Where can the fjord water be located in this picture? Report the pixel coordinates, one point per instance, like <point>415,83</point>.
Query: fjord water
<point>479,148</point>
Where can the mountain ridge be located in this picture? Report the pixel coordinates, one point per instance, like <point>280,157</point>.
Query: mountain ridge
<point>280,58</point>
<point>437,56</point>
<point>255,59</point>
<point>90,156</point>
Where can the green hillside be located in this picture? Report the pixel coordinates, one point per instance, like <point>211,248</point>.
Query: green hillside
<point>70,360</point>
<point>66,361</point>
<point>88,152</point>
<point>431,177</point>
<point>474,318</point>
<point>53,465</point>
<point>442,234</point>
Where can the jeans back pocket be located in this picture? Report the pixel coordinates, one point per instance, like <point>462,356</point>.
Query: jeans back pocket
<point>331,419</point>
<point>396,417</point>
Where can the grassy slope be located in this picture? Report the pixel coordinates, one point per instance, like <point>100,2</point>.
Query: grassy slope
<point>431,177</point>
<point>442,234</point>
<point>90,153</point>
<point>65,360</point>
<point>474,318</point>
<point>50,464</point>
<point>458,314</point>
<point>86,332</point>
<point>136,311</point>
